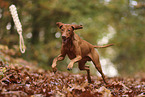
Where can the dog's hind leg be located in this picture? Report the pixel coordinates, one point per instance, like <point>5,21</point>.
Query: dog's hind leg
<point>82,66</point>
<point>95,59</point>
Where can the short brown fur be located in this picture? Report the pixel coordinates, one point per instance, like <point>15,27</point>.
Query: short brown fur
<point>78,50</point>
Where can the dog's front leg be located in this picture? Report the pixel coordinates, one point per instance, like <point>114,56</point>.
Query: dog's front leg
<point>58,58</point>
<point>76,59</point>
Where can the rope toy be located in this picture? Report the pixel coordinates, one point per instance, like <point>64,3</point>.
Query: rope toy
<point>17,22</point>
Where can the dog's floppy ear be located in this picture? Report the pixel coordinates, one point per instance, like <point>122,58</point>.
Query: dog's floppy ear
<point>75,27</point>
<point>59,24</point>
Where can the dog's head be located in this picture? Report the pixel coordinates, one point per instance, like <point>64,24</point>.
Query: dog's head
<point>67,30</point>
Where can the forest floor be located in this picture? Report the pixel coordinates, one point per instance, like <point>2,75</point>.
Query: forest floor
<point>20,78</point>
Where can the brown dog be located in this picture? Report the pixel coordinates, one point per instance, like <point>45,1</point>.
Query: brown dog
<point>78,50</point>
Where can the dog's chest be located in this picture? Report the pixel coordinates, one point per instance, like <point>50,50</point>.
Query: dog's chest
<point>70,51</point>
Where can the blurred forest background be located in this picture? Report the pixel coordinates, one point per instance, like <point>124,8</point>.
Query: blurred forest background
<point>121,22</point>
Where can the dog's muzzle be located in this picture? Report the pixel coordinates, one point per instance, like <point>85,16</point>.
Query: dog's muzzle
<point>64,39</point>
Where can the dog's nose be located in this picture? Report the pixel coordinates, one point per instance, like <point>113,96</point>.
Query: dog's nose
<point>63,37</point>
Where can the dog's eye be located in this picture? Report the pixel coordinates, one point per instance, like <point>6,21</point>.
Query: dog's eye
<point>62,30</point>
<point>68,30</point>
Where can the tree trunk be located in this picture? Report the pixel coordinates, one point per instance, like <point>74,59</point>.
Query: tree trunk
<point>35,28</point>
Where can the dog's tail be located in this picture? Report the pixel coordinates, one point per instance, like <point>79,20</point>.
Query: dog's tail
<point>104,46</point>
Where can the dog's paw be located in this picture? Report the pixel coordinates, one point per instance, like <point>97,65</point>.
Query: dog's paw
<point>69,67</point>
<point>54,69</point>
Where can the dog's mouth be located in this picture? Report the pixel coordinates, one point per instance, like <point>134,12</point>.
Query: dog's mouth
<point>65,40</point>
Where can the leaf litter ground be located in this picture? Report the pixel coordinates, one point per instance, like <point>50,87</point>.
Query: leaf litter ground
<point>23,79</point>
